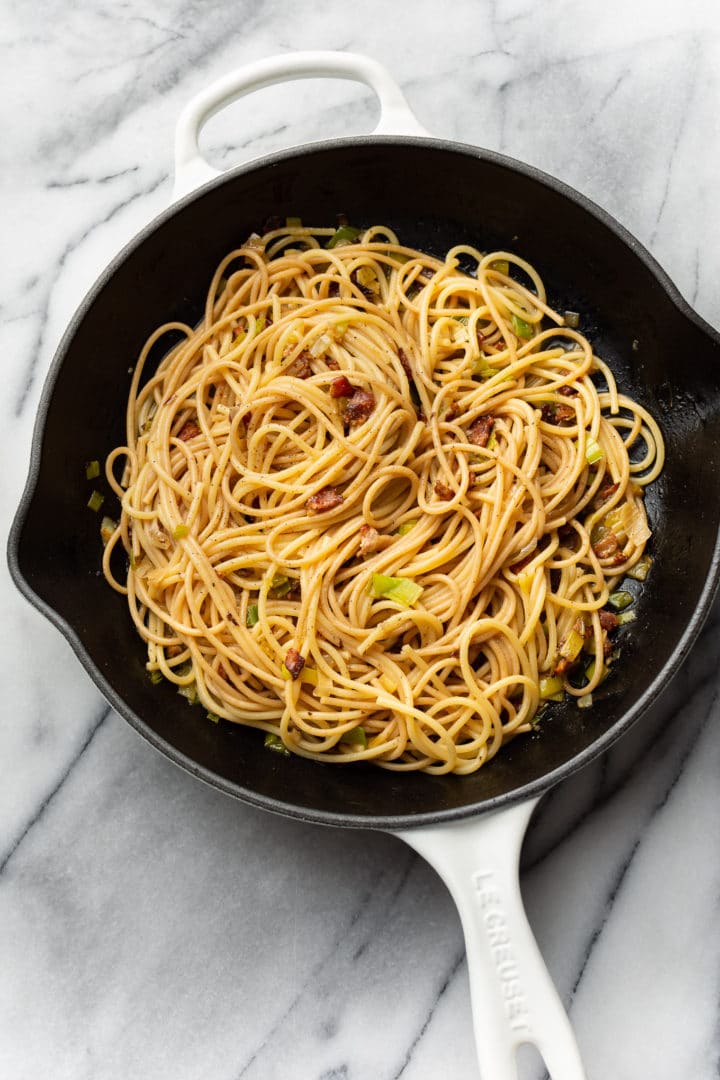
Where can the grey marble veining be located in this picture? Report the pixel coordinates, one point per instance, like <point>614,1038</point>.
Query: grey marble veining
<point>153,928</point>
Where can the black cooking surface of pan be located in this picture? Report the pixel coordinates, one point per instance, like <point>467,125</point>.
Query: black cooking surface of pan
<point>434,195</point>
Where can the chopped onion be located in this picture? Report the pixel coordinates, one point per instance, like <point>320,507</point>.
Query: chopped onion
<point>593,451</point>
<point>320,345</point>
<point>520,327</point>
<point>274,742</point>
<point>402,590</point>
<point>641,568</point>
<point>551,688</point>
<point>620,600</point>
<point>356,736</point>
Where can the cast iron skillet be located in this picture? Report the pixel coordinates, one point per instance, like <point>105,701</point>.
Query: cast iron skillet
<point>434,194</point>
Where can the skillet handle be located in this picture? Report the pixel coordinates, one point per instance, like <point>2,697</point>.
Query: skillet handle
<point>512,996</point>
<point>191,169</point>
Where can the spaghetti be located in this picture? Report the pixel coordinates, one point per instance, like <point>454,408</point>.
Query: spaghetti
<point>377,504</point>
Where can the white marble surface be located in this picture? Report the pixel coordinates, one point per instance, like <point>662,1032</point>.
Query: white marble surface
<point>152,928</point>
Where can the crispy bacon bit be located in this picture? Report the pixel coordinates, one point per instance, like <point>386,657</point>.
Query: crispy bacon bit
<point>368,539</point>
<point>294,662</point>
<point>607,546</point>
<point>172,651</point>
<point>331,364</point>
<point>607,645</point>
<point>565,415</point>
<point>359,407</point>
<point>405,363</point>
<point>562,665</point>
<point>568,391</point>
<point>300,367</point>
<point>443,491</point>
<point>559,415</point>
<point>451,414</point>
<point>619,558</point>
<point>606,492</point>
<point>608,620</point>
<point>480,432</point>
<point>341,387</point>
<point>325,499</point>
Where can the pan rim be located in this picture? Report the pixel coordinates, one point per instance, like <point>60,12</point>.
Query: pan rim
<point>250,796</point>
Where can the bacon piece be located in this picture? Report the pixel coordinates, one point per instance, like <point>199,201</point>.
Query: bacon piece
<point>405,363</point>
<point>480,432</point>
<point>341,387</point>
<point>331,363</point>
<point>294,662</point>
<point>369,537</point>
<point>359,407</point>
<point>608,620</point>
<point>443,491</point>
<point>450,414</point>
<point>607,645</point>
<point>325,499</point>
<point>300,367</point>
<point>559,415</point>
<point>568,391</point>
<point>565,415</point>
<point>562,665</point>
<point>606,492</point>
<point>607,546</point>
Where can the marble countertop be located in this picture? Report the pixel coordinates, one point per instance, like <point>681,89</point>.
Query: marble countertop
<point>154,928</point>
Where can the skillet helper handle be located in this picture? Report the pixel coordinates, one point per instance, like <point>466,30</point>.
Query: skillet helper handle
<point>191,169</point>
<point>512,996</point>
